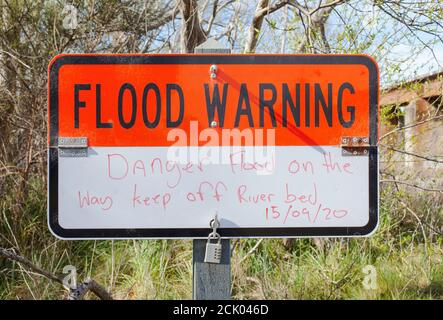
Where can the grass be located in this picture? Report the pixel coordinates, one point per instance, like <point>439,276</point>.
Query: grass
<point>407,258</point>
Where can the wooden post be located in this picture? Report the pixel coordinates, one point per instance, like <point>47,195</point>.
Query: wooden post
<point>211,281</point>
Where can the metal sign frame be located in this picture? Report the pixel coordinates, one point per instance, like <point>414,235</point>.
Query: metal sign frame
<point>53,151</point>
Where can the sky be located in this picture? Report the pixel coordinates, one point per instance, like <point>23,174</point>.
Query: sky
<point>408,52</point>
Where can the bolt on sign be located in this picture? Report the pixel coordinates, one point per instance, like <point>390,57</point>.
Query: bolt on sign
<point>154,146</point>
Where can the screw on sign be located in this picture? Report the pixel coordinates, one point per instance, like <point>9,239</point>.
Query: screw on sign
<point>151,146</point>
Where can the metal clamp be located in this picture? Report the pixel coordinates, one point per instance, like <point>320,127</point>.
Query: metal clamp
<point>73,146</point>
<point>355,146</point>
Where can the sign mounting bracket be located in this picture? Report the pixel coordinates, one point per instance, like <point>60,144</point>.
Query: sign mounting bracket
<point>73,147</point>
<point>355,146</point>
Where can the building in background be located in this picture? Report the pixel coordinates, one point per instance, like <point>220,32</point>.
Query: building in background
<point>412,130</point>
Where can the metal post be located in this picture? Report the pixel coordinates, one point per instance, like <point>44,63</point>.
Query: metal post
<point>211,281</point>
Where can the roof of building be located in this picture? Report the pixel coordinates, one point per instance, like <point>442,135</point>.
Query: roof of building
<point>423,86</point>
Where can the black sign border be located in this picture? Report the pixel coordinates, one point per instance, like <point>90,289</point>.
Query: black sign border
<point>171,233</point>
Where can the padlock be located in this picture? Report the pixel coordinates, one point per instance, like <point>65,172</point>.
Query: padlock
<point>213,250</point>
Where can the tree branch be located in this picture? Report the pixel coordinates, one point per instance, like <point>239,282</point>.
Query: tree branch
<point>316,24</point>
<point>10,255</point>
<point>192,32</point>
<point>74,294</point>
<point>411,154</point>
<point>411,185</point>
<point>214,14</point>
<point>89,285</point>
<point>262,10</point>
<point>410,126</point>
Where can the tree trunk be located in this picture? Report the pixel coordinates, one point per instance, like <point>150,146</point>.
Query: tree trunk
<point>192,33</point>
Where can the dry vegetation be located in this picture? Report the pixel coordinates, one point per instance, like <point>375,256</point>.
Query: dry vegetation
<point>406,251</point>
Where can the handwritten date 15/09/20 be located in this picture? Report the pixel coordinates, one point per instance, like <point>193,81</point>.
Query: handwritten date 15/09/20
<point>317,213</point>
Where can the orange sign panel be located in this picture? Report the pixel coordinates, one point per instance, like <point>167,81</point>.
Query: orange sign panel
<point>136,100</point>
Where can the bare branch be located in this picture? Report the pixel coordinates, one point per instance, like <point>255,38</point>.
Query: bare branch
<point>262,10</point>
<point>75,294</point>
<point>15,58</point>
<point>410,126</point>
<point>411,185</point>
<point>329,5</point>
<point>214,14</point>
<point>89,285</point>
<point>9,254</point>
<point>315,25</point>
<point>412,154</point>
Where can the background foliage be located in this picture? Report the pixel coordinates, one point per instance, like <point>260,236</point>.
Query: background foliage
<point>406,251</point>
